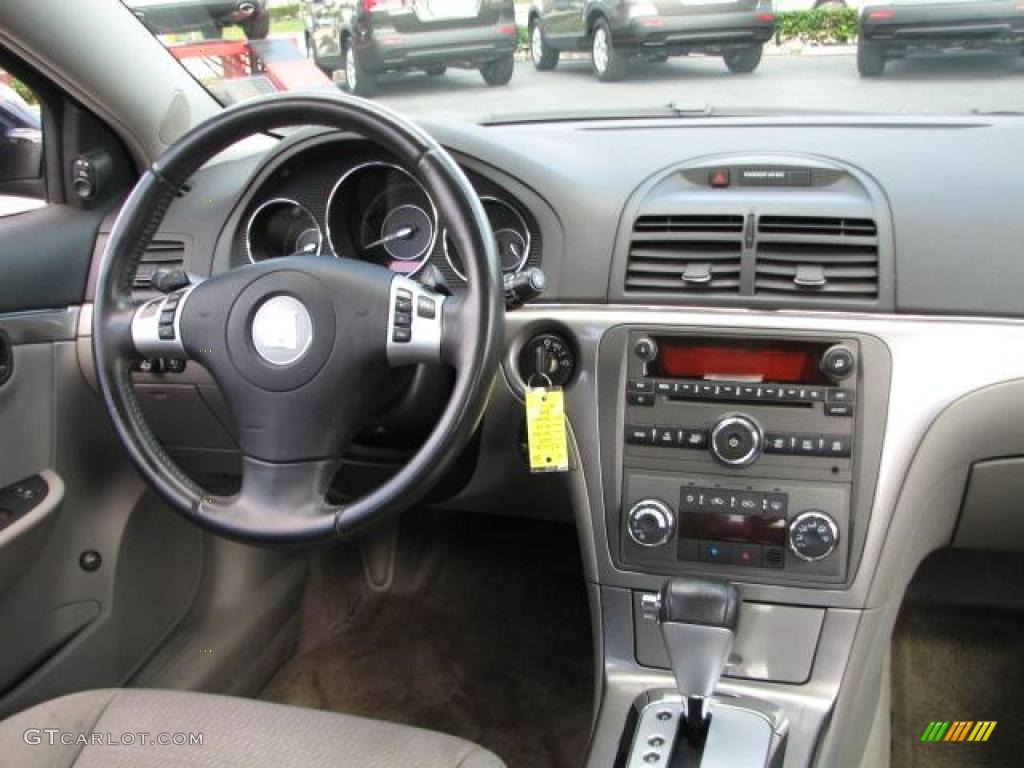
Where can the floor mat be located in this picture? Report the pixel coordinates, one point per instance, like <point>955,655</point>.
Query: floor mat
<point>484,634</point>
<point>959,662</point>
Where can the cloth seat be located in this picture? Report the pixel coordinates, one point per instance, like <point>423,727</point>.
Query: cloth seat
<point>235,732</point>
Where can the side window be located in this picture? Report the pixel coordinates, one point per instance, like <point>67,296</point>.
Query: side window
<point>22,187</point>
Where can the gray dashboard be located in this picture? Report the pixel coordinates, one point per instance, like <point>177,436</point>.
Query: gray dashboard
<point>935,310</point>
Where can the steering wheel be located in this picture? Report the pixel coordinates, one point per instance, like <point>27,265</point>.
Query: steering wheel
<point>303,348</point>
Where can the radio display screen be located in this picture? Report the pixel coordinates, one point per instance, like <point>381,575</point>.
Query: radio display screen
<point>750,529</point>
<point>757,360</point>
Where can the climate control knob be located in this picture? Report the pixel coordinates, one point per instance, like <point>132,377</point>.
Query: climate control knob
<point>651,523</point>
<point>736,440</point>
<point>813,535</point>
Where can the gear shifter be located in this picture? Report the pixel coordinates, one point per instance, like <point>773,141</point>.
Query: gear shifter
<point>697,617</point>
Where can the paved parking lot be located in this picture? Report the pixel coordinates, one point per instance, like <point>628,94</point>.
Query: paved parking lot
<point>946,85</point>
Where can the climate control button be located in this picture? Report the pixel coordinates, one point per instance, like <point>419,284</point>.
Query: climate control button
<point>736,440</point>
<point>650,523</point>
<point>813,535</point>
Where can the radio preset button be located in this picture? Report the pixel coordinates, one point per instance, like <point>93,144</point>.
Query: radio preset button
<point>665,388</point>
<point>775,504</point>
<point>639,385</point>
<point>667,436</point>
<point>690,500</point>
<point>776,443</point>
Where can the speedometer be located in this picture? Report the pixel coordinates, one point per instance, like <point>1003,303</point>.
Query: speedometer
<point>511,238</point>
<point>378,212</point>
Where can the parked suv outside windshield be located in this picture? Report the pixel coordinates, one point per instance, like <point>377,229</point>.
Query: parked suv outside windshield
<point>486,60</point>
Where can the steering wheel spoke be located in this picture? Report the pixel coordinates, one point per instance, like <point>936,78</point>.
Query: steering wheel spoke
<point>276,500</point>
<point>415,323</point>
<point>156,325</point>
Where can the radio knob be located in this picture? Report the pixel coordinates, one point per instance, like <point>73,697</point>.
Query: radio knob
<point>813,535</point>
<point>838,362</point>
<point>650,523</point>
<point>736,440</point>
<point>646,349</point>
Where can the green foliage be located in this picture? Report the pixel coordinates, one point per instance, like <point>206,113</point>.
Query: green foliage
<point>290,11</point>
<point>523,37</point>
<point>23,90</point>
<point>821,26</point>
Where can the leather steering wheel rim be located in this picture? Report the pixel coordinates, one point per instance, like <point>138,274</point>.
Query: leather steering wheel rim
<point>273,505</point>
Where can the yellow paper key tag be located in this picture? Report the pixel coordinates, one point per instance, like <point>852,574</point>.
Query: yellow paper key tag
<point>545,429</point>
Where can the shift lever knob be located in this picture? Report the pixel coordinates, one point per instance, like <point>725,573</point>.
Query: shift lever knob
<point>697,617</point>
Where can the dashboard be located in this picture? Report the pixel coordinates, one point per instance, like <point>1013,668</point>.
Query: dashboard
<point>787,348</point>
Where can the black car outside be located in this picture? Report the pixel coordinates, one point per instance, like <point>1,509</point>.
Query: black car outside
<point>367,38</point>
<point>615,31</point>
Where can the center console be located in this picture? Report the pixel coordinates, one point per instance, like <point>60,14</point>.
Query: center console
<point>738,454</point>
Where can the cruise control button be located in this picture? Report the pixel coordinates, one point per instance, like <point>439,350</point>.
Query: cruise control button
<point>403,319</point>
<point>166,332</point>
<point>426,307</point>
<point>401,334</point>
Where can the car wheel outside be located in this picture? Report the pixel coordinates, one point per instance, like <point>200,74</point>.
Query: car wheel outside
<point>257,28</point>
<point>436,70</point>
<point>870,58</point>
<point>609,64</point>
<point>743,61</point>
<point>357,79</point>
<point>499,71</point>
<point>543,56</point>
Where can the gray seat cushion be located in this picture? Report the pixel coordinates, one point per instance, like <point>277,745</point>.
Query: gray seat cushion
<point>235,732</point>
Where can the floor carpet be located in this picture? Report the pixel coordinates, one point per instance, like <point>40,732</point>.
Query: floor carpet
<point>958,654</point>
<point>485,634</point>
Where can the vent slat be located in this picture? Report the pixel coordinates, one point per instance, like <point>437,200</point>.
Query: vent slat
<point>685,255</point>
<point>808,225</point>
<point>816,257</point>
<point>863,289</point>
<point>158,254</point>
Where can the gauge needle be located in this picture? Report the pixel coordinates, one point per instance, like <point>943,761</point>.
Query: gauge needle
<point>398,234</point>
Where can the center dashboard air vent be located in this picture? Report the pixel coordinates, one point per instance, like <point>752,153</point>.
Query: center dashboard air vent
<point>828,257</point>
<point>685,255</point>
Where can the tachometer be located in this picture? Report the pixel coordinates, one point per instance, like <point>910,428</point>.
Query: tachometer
<point>281,227</point>
<point>511,236</point>
<point>379,213</point>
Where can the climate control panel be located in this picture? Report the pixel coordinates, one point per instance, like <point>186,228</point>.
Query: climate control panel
<point>794,529</point>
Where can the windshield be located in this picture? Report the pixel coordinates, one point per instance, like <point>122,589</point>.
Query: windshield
<point>494,60</point>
